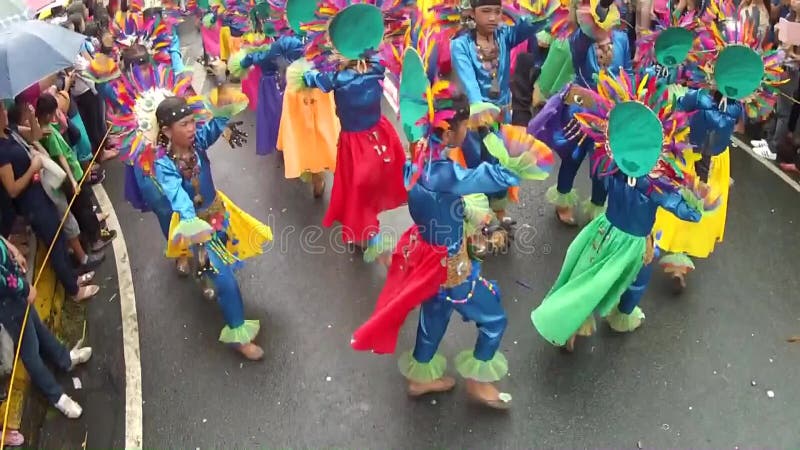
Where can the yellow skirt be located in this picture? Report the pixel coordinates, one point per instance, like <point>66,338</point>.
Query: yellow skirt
<point>246,234</point>
<point>228,45</point>
<point>308,132</point>
<point>698,239</point>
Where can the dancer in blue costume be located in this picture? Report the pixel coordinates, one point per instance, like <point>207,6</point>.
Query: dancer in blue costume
<point>206,223</point>
<point>370,156</point>
<point>272,57</point>
<point>431,267</point>
<point>135,33</point>
<point>636,158</point>
<point>481,59</point>
<point>596,45</point>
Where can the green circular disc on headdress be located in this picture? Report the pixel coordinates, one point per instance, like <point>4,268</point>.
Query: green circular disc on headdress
<point>260,15</point>
<point>738,71</point>
<point>299,12</point>
<point>673,45</point>
<point>635,137</point>
<point>356,29</point>
<point>413,86</point>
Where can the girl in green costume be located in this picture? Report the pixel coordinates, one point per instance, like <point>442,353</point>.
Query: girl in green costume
<point>637,167</point>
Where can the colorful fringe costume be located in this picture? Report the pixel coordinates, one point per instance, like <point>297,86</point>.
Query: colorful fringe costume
<point>595,36</point>
<point>431,267</point>
<point>370,157</point>
<point>735,76</point>
<point>120,91</point>
<point>639,143</point>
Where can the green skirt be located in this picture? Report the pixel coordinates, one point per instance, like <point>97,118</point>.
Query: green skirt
<point>601,263</point>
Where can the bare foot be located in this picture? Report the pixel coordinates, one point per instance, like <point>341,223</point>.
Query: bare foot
<point>251,351</point>
<point>570,345</point>
<point>566,215</point>
<point>182,266</point>
<point>442,384</point>
<point>319,185</point>
<point>678,283</point>
<point>488,395</point>
<point>384,259</point>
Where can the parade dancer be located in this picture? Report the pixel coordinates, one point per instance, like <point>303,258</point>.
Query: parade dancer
<point>370,157</point>
<point>481,60</point>
<point>595,45</point>
<point>431,266</point>
<point>206,223</point>
<point>302,124</point>
<point>145,45</point>
<point>638,143</point>
<point>736,76</point>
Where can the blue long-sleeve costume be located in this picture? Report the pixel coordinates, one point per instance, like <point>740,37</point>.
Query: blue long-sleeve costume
<point>290,48</point>
<point>434,206</point>
<point>585,64</point>
<point>633,210</point>
<point>271,88</point>
<point>180,192</point>
<point>357,95</point>
<point>710,132</point>
<point>476,82</point>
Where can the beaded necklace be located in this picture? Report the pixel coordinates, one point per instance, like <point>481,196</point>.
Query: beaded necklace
<point>489,56</point>
<point>189,167</point>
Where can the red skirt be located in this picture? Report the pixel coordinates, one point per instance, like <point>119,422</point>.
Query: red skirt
<point>368,180</point>
<point>417,272</point>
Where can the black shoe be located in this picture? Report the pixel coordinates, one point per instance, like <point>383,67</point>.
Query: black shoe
<point>92,261</point>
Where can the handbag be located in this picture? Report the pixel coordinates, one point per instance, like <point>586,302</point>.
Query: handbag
<point>52,176</point>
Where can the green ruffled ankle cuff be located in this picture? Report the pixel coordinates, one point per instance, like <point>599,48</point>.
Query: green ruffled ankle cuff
<point>681,260</point>
<point>483,371</point>
<point>242,334</point>
<point>422,372</point>
<point>384,244</point>
<point>192,231</point>
<point>591,210</point>
<point>568,200</point>
<point>625,323</point>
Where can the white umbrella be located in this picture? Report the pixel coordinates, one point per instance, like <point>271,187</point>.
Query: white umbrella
<point>32,50</point>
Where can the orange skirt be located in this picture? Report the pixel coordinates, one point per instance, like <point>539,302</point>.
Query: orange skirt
<point>308,132</point>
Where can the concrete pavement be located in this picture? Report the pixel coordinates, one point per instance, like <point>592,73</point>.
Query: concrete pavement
<point>685,379</point>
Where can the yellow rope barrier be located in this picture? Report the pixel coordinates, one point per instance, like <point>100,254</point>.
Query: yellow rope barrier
<point>36,281</point>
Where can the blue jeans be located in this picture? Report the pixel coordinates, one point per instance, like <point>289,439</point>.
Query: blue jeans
<point>483,308</point>
<point>38,345</point>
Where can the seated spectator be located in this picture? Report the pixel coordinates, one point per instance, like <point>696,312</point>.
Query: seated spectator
<point>94,234</point>
<point>20,178</point>
<point>38,343</point>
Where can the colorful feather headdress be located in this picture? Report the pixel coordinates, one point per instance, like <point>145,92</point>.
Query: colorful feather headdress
<point>635,129</point>
<point>135,96</point>
<point>670,43</point>
<point>737,62</point>
<point>130,29</point>
<point>234,14</point>
<point>449,16</point>
<point>331,39</point>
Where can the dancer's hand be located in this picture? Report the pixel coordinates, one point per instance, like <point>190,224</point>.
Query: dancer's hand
<point>235,136</point>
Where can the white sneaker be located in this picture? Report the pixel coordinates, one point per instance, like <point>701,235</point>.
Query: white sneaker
<point>758,143</point>
<point>79,355</point>
<point>69,407</point>
<point>764,151</point>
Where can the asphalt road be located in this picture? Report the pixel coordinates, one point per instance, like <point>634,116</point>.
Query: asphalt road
<point>685,379</point>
